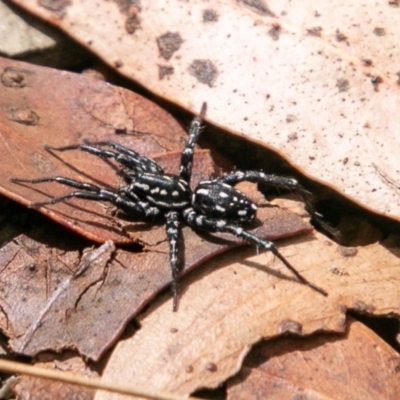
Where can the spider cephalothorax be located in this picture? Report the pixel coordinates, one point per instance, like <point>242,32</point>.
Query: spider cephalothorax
<point>148,193</point>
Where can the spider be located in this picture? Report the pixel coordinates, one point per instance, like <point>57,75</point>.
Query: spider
<point>148,194</point>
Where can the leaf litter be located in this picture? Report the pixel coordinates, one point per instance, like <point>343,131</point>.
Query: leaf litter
<point>65,301</point>
<point>315,82</point>
<point>358,364</point>
<point>89,296</point>
<point>232,303</point>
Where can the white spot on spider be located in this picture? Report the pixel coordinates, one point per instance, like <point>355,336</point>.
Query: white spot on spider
<point>163,192</point>
<point>171,231</point>
<point>172,242</point>
<point>221,223</point>
<point>142,186</point>
<point>199,221</point>
<point>254,207</point>
<point>239,231</point>
<point>155,190</point>
<point>187,151</point>
<point>175,193</point>
<point>235,198</point>
<point>219,208</point>
<point>242,213</point>
<point>223,195</point>
<point>206,192</point>
<point>182,186</point>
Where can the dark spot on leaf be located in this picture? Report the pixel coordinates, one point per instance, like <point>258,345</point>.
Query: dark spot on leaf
<point>347,251</point>
<point>212,367</point>
<point>189,369</point>
<point>345,160</point>
<point>290,118</point>
<point>173,330</point>
<point>24,116</point>
<point>132,23</point>
<point>57,6</point>
<point>118,64</point>
<point>164,71</point>
<point>275,31</point>
<point>168,44</point>
<point>15,77</point>
<point>127,5</point>
<point>292,136</point>
<point>315,31</point>
<point>31,267</point>
<point>376,80</point>
<point>379,31</point>
<point>259,7</point>
<point>290,326</point>
<point>367,62</point>
<point>394,3</point>
<point>210,16</point>
<point>342,85</point>
<point>340,37</point>
<point>204,71</point>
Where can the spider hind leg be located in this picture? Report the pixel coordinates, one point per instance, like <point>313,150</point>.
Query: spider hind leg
<point>196,220</point>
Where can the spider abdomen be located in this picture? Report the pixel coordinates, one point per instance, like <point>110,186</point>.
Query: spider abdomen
<point>220,200</point>
<point>164,191</point>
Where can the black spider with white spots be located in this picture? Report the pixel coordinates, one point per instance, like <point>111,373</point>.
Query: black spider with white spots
<point>149,193</point>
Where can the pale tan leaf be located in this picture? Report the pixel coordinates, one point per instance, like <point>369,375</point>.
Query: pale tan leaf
<point>233,303</point>
<point>318,82</point>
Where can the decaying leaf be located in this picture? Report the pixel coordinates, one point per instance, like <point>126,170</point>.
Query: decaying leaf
<point>230,305</point>
<point>40,106</point>
<point>54,298</point>
<point>40,389</point>
<point>359,365</point>
<point>316,82</point>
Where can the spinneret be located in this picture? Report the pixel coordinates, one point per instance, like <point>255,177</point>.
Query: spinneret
<point>148,193</point>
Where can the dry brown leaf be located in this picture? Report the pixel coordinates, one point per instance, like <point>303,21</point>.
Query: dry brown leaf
<point>53,297</point>
<point>33,388</point>
<point>359,365</point>
<point>317,82</point>
<point>41,106</point>
<point>230,305</point>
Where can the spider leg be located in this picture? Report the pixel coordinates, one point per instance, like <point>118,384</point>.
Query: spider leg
<point>173,231</point>
<point>88,191</point>
<point>271,180</point>
<point>235,177</point>
<point>127,157</point>
<point>219,225</point>
<point>185,170</point>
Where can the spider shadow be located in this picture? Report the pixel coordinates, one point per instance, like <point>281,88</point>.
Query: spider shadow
<point>233,244</point>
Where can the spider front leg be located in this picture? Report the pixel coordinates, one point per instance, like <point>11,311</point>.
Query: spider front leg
<point>126,157</point>
<point>185,170</point>
<point>130,205</point>
<point>173,234</point>
<point>196,220</point>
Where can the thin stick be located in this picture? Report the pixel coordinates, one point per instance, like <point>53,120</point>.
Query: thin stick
<point>94,383</point>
